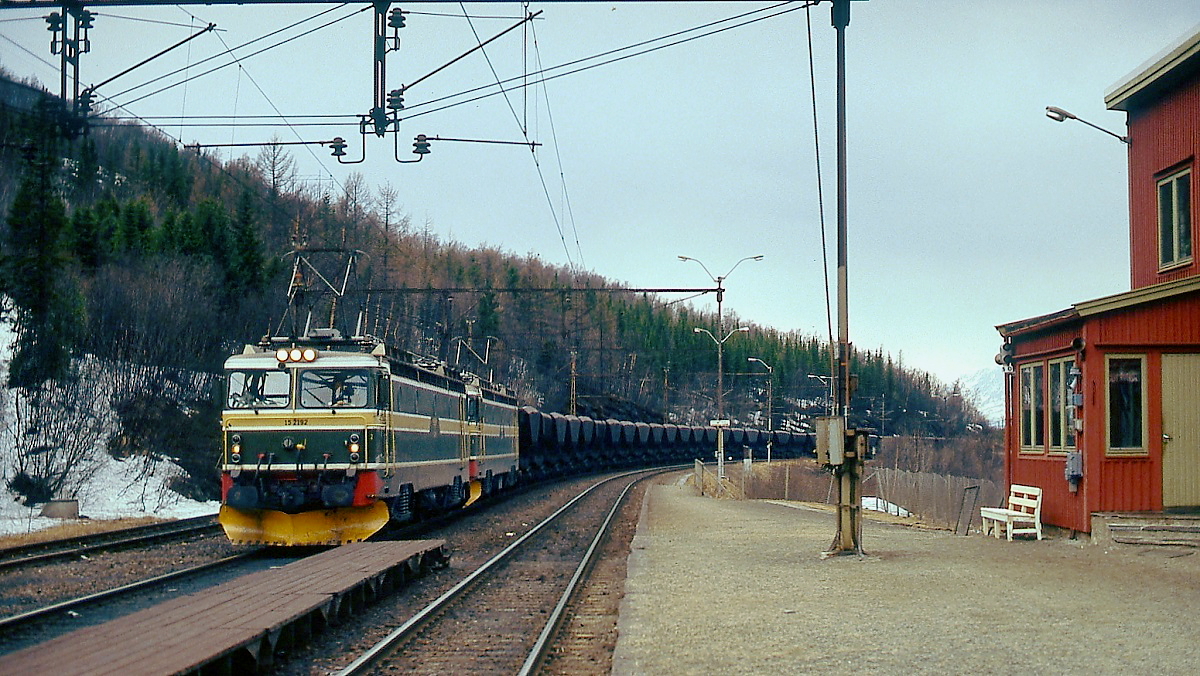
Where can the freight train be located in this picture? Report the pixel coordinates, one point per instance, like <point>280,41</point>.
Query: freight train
<point>328,439</point>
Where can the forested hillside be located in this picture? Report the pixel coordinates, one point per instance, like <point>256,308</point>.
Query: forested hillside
<point>132,267</point>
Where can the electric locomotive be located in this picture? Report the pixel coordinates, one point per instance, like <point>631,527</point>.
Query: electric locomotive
<point>328,438</point>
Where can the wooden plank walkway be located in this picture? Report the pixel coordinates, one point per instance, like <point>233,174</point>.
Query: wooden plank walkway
<point>235,627</point>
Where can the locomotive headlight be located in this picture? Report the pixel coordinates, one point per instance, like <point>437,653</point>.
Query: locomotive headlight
<point>235,457</point>
<point>354,456</point>
<point>295,354</point>
<point>353,447</point>
<point>310,354</point>
<point>281,354</point>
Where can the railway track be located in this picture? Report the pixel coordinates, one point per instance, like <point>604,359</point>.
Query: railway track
<point>41,552</point>
<point>504,616</point>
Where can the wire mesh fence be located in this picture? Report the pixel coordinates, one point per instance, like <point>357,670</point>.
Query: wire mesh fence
<point>937,499</point>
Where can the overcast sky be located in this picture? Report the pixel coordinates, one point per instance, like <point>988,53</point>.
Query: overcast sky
<point>967,206</point>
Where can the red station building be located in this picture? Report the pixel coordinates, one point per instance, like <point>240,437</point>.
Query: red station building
<point>1103,398</point>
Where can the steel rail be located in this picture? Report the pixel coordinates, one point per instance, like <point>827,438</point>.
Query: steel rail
<point>541,647</point>
<point>377,653</point>
<point>104,541</point>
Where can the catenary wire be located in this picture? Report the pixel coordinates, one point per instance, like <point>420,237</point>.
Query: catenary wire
<point>294,130</point>
<point>241,46</point>
<point>548,77</point>
<point>812,79</point>
<point>568,212</point>
<point>546,73</point>
<point>242,71</point>
<point>525,134</point>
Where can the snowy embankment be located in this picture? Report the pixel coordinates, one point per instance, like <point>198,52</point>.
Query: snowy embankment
<point>117,489</point>
<point>880,505</point>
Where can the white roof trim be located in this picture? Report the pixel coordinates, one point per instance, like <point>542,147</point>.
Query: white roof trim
<point>1186,47</point>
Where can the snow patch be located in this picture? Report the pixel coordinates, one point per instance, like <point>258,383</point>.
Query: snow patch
<point>120,489</point>
<point>132,488</point>
<point>880,505</point>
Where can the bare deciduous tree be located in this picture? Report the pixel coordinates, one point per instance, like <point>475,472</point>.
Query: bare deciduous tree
<point>56,433</point>
<point>278,168</point>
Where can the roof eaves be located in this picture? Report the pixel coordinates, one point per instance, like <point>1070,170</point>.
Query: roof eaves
<point>1145,294</point>
<point>1158,74</point>
<point>1037,323</point>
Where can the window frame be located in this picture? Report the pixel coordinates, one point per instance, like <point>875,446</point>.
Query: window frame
<point>257,388</point>
<point>1180,225</point>
<point>1143,449</point>
<point>1032,423</point>
<point>1059,401</point>
<point>314,385</point>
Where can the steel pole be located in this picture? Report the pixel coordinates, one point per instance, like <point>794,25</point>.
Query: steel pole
<point>770,399</point>
<point>848,529</point>
<point>720,351</point>
<point>720,379</point>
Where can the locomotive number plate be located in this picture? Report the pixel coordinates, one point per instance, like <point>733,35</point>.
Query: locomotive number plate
<point>296,421</point>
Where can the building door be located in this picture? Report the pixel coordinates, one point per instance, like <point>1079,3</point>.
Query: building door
<point>1181,429</point>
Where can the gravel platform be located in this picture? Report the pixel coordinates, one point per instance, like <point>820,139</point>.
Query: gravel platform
<point>729,587</point>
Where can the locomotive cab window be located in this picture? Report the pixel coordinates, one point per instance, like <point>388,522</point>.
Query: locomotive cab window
<point>258,389</point>
<point>335,388</point>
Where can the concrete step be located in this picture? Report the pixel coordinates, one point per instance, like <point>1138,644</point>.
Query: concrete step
<point>1147,528</point>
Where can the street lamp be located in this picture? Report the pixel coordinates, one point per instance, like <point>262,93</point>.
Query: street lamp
<point>1059,115</point>
<point>826,381</point>
<point>770,401</point>
<point>721,423</point>
<point>721,363</point>
<point>720,282</point>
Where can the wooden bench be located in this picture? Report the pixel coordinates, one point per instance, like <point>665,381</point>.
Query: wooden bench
<point>1024,507</point>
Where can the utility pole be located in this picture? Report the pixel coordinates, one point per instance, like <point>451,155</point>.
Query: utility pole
<point>846,446</point>
<point>572,407</point>
<point>667,391</point>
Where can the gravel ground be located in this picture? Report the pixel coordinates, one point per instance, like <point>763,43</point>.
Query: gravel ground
<point>720,586</point>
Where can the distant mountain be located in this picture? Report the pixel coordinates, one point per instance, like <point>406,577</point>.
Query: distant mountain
<point>985,389</point>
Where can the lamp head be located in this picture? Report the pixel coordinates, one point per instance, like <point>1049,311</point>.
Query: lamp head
<point>743,329</point>
<point>697,329</point>
<point>1058,114</point>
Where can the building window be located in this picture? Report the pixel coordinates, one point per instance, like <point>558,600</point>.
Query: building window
<point>1126,405</point>
<point>1033,407</point>
<point>1175,219</point>
<point>1062,408</point>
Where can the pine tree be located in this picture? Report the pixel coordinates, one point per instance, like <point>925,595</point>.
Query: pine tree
<point>245,272</point>
<point>32,271</point>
